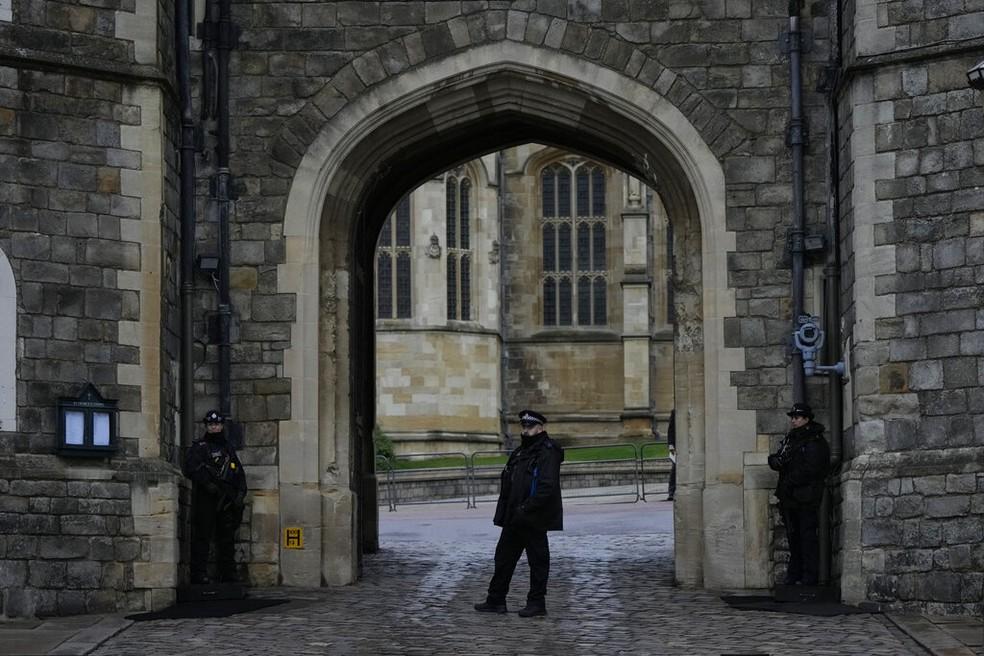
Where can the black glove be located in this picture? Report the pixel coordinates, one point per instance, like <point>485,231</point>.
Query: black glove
<point>774,462</point>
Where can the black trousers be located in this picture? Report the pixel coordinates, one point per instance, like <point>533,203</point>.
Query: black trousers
<point>512,542</point>
<point>208,520</point>
<point>804,543</point>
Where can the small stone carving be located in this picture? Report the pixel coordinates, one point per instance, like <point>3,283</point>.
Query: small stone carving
<point>494,253</point>
<point>434,249</point>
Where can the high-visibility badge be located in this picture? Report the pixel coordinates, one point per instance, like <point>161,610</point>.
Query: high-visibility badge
<point>293,537</point>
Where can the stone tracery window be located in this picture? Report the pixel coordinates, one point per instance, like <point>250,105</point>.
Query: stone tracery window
<point>459,247</point>
<point>574,231</point>
<point>393,265</point>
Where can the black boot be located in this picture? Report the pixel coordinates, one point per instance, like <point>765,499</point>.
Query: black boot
<point>489,606</point>
<point>533,609</point>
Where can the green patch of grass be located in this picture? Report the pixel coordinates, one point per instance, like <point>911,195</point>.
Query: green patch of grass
<point>653,451</point>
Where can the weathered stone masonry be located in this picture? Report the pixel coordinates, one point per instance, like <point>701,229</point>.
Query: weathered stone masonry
<point>86,178</point>
<point>87,183</point>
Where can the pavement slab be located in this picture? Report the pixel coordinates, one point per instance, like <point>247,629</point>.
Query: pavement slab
<point>609,593</point>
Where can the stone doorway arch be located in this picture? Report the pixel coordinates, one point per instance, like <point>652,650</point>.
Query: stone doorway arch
<point>392,136</point>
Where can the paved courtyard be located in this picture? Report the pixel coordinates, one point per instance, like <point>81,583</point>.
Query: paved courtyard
<point>610,592</point>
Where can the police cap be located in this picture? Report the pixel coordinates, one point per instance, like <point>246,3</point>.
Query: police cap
<point>801,410</point>
<point>531,417</point>
<point>213,417</point>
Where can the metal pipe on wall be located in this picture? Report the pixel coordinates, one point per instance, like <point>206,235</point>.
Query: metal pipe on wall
<point>226,41</point>
<point>182,19</point>
<point>797,140</point>
<point>832,306</point>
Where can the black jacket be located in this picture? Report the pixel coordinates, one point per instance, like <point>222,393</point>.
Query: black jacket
<point>213,465</point>
<point>802,461</point>
<point>529,496</point>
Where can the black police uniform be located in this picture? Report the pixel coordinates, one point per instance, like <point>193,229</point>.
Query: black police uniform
<point>217,502</point>
<point>802,461</point>
<point>529,505</point>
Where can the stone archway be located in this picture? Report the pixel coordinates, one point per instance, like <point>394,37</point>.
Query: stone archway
<point>384,141</point>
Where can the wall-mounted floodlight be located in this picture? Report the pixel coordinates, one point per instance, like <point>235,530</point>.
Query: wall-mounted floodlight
<point>208,263</point>
<point>975,76</point>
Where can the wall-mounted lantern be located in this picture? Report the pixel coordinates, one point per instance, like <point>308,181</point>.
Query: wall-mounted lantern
<point>88,426</point>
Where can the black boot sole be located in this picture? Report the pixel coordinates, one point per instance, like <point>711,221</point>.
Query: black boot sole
<point>499,610</point>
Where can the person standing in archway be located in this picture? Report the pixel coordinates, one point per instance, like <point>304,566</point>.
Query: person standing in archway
<point>802,461</point>
<point>218,496</point>
<point>529,505</point>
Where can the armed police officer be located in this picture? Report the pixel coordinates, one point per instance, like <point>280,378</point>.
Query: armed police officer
<point>802,461</point>
<point>218,496</point>
<point>529,505</point>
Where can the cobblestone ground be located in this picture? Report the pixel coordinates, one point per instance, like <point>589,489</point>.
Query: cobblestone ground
<point>608,595</point>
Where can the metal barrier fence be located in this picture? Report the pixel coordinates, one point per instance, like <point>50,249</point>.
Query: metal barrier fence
<point>409,456</point>
<point>390,481</point>
<point>470,467</point>
<point>642,463</point>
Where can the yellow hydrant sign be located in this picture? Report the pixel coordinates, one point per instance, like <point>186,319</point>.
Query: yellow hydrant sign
<point>293,537</point>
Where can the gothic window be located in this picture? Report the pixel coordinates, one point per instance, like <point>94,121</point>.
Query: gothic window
<point>8,345</point>
<point>574,228</point>
<point>458,239</point>
<point>393,253</point>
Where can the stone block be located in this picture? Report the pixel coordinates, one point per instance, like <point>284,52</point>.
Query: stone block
<point>83,525</point>
<point>37,488</point>
<point>959,372</point>
<point>83,575</point>
<point>948,506</point>
<point>279,307</point>
<point>961,483</point>
<point>13,574</point>
<point>944,402</point>
<point>926,375</point>
<point>42,574</point>
<point>972,343</point>
<point>877,532</point>
<point>154,575</point>
<point>126,550</point>
<point>893,377</point>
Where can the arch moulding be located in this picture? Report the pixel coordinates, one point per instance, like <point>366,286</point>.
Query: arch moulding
<point>721,524</point>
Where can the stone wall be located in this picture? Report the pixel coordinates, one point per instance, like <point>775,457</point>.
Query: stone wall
<point>912,525</point>
<point>86,539</point>
<point>87,166</point>
<point>440,386</point>
<point>87,186</point>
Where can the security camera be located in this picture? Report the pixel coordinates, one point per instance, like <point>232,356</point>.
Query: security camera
<point>808,336</point>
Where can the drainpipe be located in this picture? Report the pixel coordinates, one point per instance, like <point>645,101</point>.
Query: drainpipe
<point>182,20</point>
<point>796,140</point>
<point>220,35</point>
<point>832,308</point>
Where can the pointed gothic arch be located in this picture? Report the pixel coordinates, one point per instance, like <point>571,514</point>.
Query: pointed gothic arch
<point>425,120</point>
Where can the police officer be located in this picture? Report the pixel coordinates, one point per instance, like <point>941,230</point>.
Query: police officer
<point>529,505</point>
<point>218,498</point>
<point>802,461</point>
